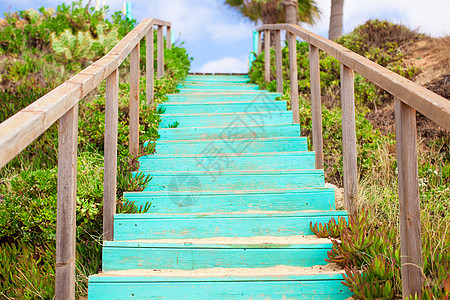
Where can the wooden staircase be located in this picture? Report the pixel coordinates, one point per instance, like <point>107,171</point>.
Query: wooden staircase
<point>233,192</point>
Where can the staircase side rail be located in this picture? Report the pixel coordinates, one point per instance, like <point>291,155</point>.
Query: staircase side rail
<point>409,98</point>
<point>61,104</point>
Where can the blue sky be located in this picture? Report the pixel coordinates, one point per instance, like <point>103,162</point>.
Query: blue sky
<point>219,39</point>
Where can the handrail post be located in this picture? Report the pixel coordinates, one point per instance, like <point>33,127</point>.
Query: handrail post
<point>168,38</point>
<point>149,65</point>
<point>110,169</point>
<point>292,42</point>
<point>316,105</point>
<point>349,138</point>
<point>134,102</point>
<point>66,205</point>
<point>408,186</point>
<point>160,70</point>
<point>259,42</point>
<point>278,61</point>
<point>267,55</point>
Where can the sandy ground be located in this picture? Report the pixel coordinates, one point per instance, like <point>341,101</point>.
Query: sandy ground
<point>226,272</point>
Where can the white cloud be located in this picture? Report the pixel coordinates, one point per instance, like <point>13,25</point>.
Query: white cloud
<point>225,65</point>
<point>203,20</point>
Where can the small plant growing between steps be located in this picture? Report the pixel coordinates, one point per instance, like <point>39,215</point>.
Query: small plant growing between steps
<point>174,125</point>
<point>161,110</point>
<point>129,207</point>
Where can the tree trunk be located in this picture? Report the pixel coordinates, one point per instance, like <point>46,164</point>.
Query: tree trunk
<point>337,13</point>
<point>291,7</point>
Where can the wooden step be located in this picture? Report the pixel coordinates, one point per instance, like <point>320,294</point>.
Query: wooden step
<point>196,226</point>
<point>255,252</point>
<point>225,119</point>
<point>240,146</point>
<point>215,178</point>
<point>238,132</point>
<point>235,201</point>
<point>218,78</point>
<point>258,105</point>
<point>223,89</point>
<point>218,283</point>
<point>274,161</point>
<point>220,86</point>
<point>218,97</point>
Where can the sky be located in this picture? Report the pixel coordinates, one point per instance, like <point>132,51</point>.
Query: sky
<point>220,39</point>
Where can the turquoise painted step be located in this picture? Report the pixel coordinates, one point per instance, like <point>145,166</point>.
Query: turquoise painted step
<point>303,287</point>
<point>187,202</point>
<point>191,92</point>
<point>223,97</point>
<point>219,86</point>
<point>195,79</point>
<point>226,78</point>
<point>225,107</point>
<point>239,132</point>
<point>216,178</point>
<point>234,162</point>
<point>225,119</point>
<point>197,226</point>
<point>215,90</point>
<point>123,255</point>
<point>257,145</point>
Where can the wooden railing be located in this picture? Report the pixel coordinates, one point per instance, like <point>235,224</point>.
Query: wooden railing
<point>61,104</point>
<point>409,98</point>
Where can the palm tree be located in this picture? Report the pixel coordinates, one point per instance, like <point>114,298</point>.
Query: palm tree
<point>337,14</point>
<point>272,11</point>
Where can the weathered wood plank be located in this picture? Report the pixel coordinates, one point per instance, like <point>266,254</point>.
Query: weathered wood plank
<point>267,55</point>
<point>231,87</point>
<point>433,106</point>
<point>168,38</point>
<point>408,178</point>
<point>349,138</point>
<point>140,255</point>
<point>24,127</point>
<point>292,41</point>
<point>149,68</point>
<point>223,119</point>
<point>134,102</point>
<point>262,162</point>
<point>278,61</point>
<point>301,199</point>
<point>326,287</point>
<point>218,97</point>
<point>259,43</point>
<point>110,170</point>
<point>152,226</point>
<point>20,130</point>
<point>235,133</point>
<point>216,179</point>
<point>257,145</point>
<point>224,107</point>
<point>160,52</point>
<point>316,105</point>
<point>66,205</point>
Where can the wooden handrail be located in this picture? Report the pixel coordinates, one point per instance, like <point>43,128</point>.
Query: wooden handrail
<point>61,104</point>
<point>430,104</point>
<point>410,97</point>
